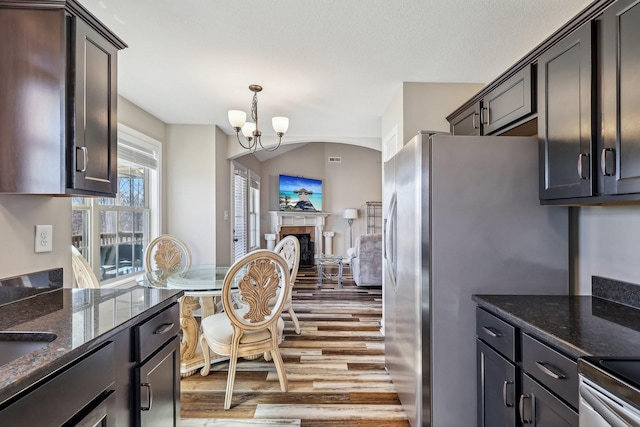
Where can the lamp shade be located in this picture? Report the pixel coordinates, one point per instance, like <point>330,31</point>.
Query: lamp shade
<point>280,124</point>
<point>237,118</point>
<point>350,213</point>
<point>248,128</point>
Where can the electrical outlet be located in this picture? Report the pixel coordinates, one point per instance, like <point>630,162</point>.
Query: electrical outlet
<point>44,238</point>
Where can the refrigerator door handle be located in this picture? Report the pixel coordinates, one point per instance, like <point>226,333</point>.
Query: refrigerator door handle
<point>389,240</point>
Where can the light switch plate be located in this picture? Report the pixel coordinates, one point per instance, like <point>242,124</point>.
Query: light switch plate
<point>44,238</point>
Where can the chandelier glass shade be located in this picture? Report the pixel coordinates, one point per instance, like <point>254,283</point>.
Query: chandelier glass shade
<point>251,133</point>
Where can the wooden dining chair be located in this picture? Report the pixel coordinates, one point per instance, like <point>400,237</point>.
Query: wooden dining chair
<point>164,256</point>
<point>253,327</point>
<point>289,249</point>
<point>82,271</point>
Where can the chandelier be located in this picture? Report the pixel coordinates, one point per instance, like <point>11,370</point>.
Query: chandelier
<point>250,130</point>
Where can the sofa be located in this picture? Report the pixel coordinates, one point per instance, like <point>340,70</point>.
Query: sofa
<point>366,260</point>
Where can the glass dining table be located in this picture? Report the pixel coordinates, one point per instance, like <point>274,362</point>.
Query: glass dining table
<point>202,286</point>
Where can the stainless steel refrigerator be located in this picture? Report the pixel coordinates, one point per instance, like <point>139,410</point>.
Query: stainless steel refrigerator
<point>462,217</point>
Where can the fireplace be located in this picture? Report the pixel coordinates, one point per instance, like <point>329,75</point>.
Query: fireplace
<point>306,248</point>
<point>299,222</point>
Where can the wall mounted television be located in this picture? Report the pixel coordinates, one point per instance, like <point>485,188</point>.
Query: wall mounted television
<point>300,194</point>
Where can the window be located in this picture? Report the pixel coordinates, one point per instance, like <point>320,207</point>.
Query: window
<point>246,210</point>
<point>113,232</point>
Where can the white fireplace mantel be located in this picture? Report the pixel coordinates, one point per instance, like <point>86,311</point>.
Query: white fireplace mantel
<point>281,219</point>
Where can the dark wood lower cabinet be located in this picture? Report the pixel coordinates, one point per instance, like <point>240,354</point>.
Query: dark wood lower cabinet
<point>81,393</point>
<point>498,385</point>
<point>516,378</point>
<point>542,409</point>
<point>133,379</point>
<point>158,387</point>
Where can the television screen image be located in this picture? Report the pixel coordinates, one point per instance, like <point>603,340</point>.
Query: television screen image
<point>300,194</point>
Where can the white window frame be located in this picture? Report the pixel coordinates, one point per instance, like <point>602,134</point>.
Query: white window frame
<point>153,193</point>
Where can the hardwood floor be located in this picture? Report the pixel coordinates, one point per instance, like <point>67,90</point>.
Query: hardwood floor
<point>335,369</point>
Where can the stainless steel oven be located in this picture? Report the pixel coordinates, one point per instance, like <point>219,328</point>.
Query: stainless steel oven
<point>609,392</point>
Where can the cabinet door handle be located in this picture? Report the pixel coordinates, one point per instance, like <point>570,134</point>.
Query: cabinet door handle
<point>504,394</point>
<point>473,119</point>
<point>491,332</point>
<point>521,408</point>
<point>603,161</point>
<point>163,329</point>
<point>581,169</point>
<point>149,396</point>
<point>484,115</point>
<point>553,373</point>
<point>84,157</point>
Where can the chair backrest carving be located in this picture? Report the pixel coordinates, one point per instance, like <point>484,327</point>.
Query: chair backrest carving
<point>165,256</point>
<point>259,275</point>
<point>82,271</point>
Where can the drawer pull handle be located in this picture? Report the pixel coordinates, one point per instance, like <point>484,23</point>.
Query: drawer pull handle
<point>491,332</point>
<point>163,329</point>
<point>521,407</point>
<point>504,394</point>
<point>553,373</point>
<point>149,397</point>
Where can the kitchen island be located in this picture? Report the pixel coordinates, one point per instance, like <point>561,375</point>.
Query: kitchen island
<point>106,337</point>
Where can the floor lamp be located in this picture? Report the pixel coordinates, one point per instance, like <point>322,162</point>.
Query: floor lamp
<point>350,214</point>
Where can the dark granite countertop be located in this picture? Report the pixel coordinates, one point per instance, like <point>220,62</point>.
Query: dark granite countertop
<point>577,325</point>
<point>82,319</point>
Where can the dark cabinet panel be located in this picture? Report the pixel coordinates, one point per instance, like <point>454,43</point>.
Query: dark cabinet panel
<point>619,157</point>
<point>539,407</point>
<point>58,109</point>
<point>32,43</point>
<point>158,382</point>
<point>67,397</point>
<point>498,386</point>
<point>552,369</point>
<point>467,122</point>
<point>497,333</point>
<point>509,102</point>
<point>565,97</point>
<point>93,124</point>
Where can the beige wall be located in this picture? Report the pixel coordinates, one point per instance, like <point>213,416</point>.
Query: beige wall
<point>222,200</point>
<point>136,118</point>
<point>19,214</point>
<point>349,184</point>
<point>608,244</point>
<point>190,188</point>
<point>424,106</point>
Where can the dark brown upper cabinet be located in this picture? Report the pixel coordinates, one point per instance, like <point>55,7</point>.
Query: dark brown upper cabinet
<point>619,150</point>
<point>58,109</point>
<point>589,96</point>
<point>513,100</point>
<point>467,122</point>
<point>565,97</point>
<point>506,105</point>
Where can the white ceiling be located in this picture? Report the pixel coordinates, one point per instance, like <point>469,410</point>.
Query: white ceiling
<point>331,66</point>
